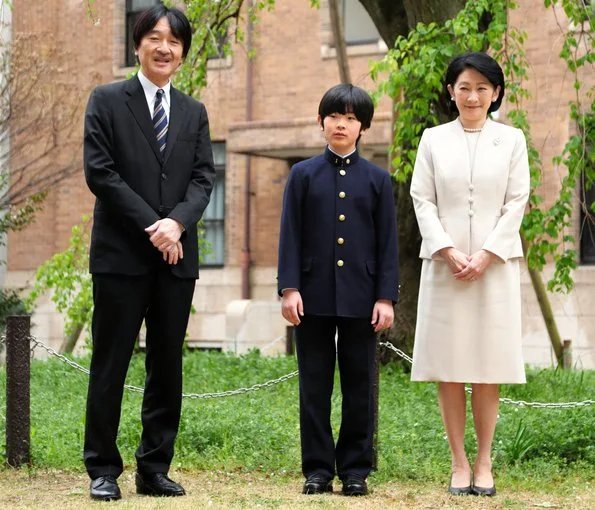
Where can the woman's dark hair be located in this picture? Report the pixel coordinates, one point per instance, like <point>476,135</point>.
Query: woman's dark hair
<point>483,64</point>
<point>347,98</point>
<point>178,22</point>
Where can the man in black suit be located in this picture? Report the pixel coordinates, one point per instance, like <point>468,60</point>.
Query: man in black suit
<point>148,161</point>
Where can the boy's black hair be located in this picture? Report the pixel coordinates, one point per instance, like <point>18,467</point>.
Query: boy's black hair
<point>483,64</point>
<point>347,98</point>
<point>178,22</point>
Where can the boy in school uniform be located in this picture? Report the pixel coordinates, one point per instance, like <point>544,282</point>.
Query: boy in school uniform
<point>338,272</point>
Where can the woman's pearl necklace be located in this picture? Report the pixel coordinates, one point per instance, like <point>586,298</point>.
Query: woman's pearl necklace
<point>472,130</point>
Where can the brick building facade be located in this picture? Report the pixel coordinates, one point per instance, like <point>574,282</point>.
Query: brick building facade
<point>260,125</point>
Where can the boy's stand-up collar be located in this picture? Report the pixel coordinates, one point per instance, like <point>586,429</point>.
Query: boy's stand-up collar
<point>337,160</point>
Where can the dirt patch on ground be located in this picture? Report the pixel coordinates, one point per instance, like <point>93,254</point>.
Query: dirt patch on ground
<point>53,490</point>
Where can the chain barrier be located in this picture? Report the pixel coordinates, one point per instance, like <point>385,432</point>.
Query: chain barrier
<point>504,400</point>
<point>136,389</point>
<point>398,351</point>
<point>266,347</point>
<point>241,391</point>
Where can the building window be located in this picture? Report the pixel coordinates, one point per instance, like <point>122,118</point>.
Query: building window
<point>133,11</point>
<point>587,226</point>
<point>213,218</point>
<point>221,39</point>
<point>357,24</point>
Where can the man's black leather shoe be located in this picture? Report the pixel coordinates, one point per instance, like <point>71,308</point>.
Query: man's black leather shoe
<point>157,484</point>
<point>317,484</point>
<point>355,486</point>
<point>105,488</point>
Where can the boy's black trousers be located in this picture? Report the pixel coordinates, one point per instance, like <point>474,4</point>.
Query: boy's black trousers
<point>356,352</point>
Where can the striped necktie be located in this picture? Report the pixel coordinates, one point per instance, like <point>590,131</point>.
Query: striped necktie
<point>160,121</point>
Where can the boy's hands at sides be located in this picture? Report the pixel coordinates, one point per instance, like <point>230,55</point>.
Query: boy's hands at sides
<point>292,307</point>
<point>382,315</point>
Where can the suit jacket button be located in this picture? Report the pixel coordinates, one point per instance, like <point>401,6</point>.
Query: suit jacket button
<point>164,177</point>
<point>340,263</point>
<point>340,240</point>
<point>471,187</point>
<point>471,212</point>
<point>347,161</point>
<point>341,217</point>
<point>341,194</point>
<point>342,172</point>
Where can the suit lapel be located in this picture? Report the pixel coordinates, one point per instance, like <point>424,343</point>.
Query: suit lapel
<point>139,108</point>
<point>459,146</point>
<point>488,134</point>
<point>177,112</point>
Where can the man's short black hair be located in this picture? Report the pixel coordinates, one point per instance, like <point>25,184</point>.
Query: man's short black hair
<point>483,64</point>
<point>347,98</point>
<point>178,22</point>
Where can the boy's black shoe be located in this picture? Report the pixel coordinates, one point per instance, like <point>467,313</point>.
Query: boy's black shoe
<point>317,484</point>
<point>355,486</point>
<point>105,488</point>
<point>157,484</point>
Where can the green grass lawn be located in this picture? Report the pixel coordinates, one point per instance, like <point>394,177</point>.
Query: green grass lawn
<point>259,431</point>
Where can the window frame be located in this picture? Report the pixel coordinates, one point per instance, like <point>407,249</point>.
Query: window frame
<point>220,173</point>
<point>356,42</point>
<point>129,20</point>
<point>587,216</point>
<point>327,49</point>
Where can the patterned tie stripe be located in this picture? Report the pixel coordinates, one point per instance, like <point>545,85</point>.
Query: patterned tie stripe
<point>160,121</point>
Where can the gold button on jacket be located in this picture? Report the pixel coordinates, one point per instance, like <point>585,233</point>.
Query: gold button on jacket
<point>340,263</point>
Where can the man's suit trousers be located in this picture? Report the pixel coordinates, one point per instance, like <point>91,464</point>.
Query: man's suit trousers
<point>121,303</point>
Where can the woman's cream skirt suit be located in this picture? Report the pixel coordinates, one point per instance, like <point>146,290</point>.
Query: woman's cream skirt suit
<point>469,191</point>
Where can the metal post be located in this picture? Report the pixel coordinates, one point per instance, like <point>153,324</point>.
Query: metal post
<point>290,340</point>
<point>567,355</point>
<point>18,372</point>
<point>376,395</point>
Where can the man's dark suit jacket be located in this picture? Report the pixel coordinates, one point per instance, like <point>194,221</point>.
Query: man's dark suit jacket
<point>135,185</point>
<point>338,243</point>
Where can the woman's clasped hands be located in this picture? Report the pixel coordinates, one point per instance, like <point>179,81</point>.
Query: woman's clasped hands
<point>467,267</point>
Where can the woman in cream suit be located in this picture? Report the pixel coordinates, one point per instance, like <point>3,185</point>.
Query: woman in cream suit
<point>469,187</point>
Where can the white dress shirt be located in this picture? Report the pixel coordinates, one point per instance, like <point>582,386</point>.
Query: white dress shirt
<point>151,89</point>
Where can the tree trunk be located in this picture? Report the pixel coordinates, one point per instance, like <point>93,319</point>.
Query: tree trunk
<point>393,18</point>
<point>69,342</point>
<point>339,39</point>
<point>397,17</point>
<point>546,309</point>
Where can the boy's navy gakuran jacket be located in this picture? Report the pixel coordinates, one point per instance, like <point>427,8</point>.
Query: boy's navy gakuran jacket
<point>338,241</point>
